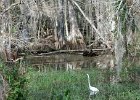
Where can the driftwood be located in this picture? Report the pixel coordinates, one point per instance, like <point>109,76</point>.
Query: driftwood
<point>12,62</point>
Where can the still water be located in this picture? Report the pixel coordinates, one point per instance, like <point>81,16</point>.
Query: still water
<point>71,61</point>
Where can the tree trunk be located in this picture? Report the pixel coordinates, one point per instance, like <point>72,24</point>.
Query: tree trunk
<point>75,36</point>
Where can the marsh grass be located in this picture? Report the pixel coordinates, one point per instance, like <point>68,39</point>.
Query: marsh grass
<point>73,85</point>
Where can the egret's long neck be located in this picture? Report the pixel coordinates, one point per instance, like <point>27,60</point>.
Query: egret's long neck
<point>89,81</point>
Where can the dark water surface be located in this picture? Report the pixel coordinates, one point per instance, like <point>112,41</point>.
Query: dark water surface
<point>71,61</point>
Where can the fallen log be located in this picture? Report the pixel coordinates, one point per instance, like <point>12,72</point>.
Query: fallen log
<point>72,51</point>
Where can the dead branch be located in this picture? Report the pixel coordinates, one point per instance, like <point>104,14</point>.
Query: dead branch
<point>18,59</point>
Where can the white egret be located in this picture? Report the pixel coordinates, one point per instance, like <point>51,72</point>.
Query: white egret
<point>93,90</point>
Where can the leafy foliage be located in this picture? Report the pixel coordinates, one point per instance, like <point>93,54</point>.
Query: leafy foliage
<point>16,82</point>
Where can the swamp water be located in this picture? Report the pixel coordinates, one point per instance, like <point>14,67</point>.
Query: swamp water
<point>63,77</point>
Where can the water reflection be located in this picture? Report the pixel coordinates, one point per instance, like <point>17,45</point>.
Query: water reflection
<point>69,62</point>
<point>62,62</point>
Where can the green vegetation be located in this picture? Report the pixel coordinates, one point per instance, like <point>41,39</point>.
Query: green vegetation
<point>61,33</point>
<point>73,85</point>
<point>16,82</point>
